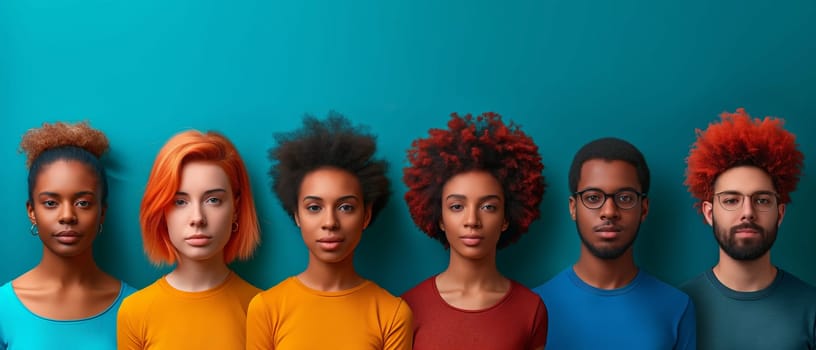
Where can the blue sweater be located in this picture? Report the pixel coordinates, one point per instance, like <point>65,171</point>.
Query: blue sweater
<point>645,314</point>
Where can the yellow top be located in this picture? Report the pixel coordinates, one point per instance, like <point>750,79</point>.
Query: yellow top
<point>293,316</point>
<point>162,317</point>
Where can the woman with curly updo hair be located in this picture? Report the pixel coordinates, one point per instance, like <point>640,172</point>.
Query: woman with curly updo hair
<point>327,179</point>
<point>475,187</point>
<point>66,300</point>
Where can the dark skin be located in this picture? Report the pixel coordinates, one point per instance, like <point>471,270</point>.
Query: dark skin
<point>67,210</point>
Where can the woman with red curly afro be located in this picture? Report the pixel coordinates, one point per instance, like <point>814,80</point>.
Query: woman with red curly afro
<point>475,187</point>
<point>66,300</point>
<point>742,171</point>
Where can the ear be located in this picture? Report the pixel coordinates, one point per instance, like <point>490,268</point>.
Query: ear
<point>297,218</point>
<point>505,225</point>
<point>708,212</point>
<point>102,214</point>
<point>644,208</point>
<point>781,214</point>
<point>30,210</point>
<point>572,207</point>
<point>367,219</point>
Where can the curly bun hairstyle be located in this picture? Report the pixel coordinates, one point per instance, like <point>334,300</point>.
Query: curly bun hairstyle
<point>62,141</point>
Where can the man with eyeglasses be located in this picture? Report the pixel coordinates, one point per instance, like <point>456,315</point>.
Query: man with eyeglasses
<point>604,301</point>
<point>742,171</point>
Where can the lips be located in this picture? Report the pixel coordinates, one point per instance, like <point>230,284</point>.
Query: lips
<point>471,240</point>
<point>608,231</point>
<point>198,240</point>
<point>330,243</point>
<point>68,237</point>
<point>747,230</point>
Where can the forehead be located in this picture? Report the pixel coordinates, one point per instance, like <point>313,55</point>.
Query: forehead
<point>474,184</point>
<point>608,175</point>
<point>202,175</point>
<point>743,179</point>
<point>330,183</point>
<point>70,175</point>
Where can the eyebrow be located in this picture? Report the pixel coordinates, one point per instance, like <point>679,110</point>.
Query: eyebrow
<point>215,190</point>
<point>750,194</point>
<point>343,198</point>
<point>613,192</point>
<point>481,199</point>
<point>77,194</point>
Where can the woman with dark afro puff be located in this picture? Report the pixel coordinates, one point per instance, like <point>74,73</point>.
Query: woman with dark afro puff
<point>475,187</point>
<point>66,300</point>
<point>327,180</point>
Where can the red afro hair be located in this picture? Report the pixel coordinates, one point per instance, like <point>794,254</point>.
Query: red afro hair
<point>480,143</point>
<point>740,140</point>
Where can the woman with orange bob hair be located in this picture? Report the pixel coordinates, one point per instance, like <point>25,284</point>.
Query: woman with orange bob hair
<point>197,213</point>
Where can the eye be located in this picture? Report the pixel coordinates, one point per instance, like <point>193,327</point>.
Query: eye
<point>593,197</point>
<point>490,207</point>
<point>626,197</point>
<point>313,208</point>
<point>730,200</point>
<point>346,208</point>
<point>82,203</point>
<point>456,207</point>
<point>213,200</point>
<point>179,202</point>
<point>49,203</point>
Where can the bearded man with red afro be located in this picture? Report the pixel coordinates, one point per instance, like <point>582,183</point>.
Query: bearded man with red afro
<point>742,171</point>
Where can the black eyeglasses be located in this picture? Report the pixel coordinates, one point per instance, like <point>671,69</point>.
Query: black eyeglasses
<point>761,201</point>
<point>595,199</point>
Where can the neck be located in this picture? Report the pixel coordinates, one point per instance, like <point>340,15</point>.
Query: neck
<point>745,275</point>
<point>78,269</point>
<point>472,273</point>
<point>330,277</point>
<point>198,275</point>
<point>606,273</point>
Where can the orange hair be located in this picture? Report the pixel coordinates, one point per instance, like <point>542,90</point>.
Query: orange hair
<point>165,179</point>
<point>740,140</point>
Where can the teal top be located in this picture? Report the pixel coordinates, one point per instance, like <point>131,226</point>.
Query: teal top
<point>22,329</point>
<point>780,317</point>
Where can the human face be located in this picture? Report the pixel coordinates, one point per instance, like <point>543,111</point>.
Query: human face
<point>67,208</point>
<point>200,217</point>
<point>744,233</point>
<point>608,232</point>
<point>331,214</point>
<point>473,214</point>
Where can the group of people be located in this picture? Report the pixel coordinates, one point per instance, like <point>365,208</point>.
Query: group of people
<point>474,186</point>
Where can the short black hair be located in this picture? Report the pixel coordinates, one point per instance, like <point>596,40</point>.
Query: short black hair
<point>333,142</point>
<point>609,148</point>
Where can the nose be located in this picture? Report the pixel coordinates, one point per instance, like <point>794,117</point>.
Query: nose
<point>197,217</point>
<point>472,219</point>
<point>747,211</point>
<point>609,210</point>
<point>67,215</point>
<point>330,221</point>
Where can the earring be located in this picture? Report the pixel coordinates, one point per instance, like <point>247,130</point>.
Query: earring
<point>99,230</point>
<point>235,226</point>
<point>34,230</point>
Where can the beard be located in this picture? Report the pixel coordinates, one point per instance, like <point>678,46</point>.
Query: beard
<point>744,251</point>
<point>606,253</point>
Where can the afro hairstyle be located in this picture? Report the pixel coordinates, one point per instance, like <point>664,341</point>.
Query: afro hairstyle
<point>471,143</point>
<point>739,140</point>
<point>334,143</point>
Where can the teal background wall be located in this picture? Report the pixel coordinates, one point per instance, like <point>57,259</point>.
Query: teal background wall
<point>567,71</point>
